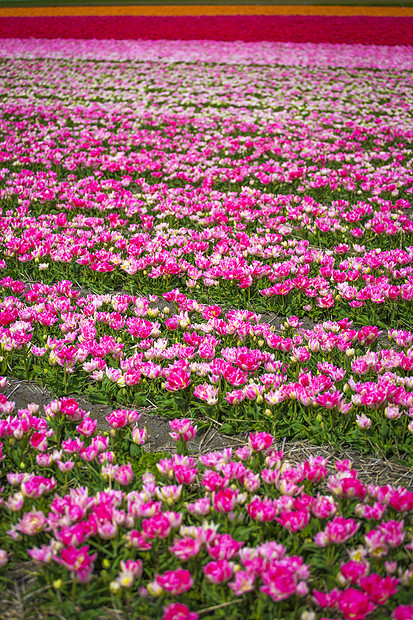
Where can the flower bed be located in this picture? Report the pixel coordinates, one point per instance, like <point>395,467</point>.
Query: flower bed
<point>296,28</point>
<point>232,244</point>
<point>245,531</point>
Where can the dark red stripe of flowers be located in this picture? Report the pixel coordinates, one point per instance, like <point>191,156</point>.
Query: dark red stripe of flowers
<point>295,28</point>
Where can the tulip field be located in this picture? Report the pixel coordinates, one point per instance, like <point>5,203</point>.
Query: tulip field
<point>220,234</point>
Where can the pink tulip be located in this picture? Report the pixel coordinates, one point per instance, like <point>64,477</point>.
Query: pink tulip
<point>218,572</point>
<point>294,521</point>
<point>78,562</point>
<point>354,604</point>
<point>157,526</point>
<point>185,548</point>
<point>225,500</point>
<point>337,531</point>
<point>87,427</point>
<point>178,611</point>
<point>32,523</point>
<point>178,379</point>
<point>243,582</point>
<point>175,581</point>
<point>403,612</point>
<point>260,441</point>
<point>139,436</point>
<point>379,589</point>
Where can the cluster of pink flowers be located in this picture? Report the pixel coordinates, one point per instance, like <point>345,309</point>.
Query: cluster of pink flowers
<point>240,493</point>
<point>274,263</point>
<point>381,57</point>
<point>215,359</point>
<point>217,200</point>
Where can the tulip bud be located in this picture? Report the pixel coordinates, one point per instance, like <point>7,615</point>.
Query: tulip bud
<point>114,587</point>
<point>341,581</point>
<point>154,589</point>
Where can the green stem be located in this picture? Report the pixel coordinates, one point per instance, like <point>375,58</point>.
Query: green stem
<point>73,591</point>
<point>331,418</point>
<point>58,434</point>
<point>26,373</point>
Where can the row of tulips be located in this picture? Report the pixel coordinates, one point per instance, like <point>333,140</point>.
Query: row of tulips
<point>322,381</point>
<point>239,259</point>
<point>354,28</point>
<point>304,55</point>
